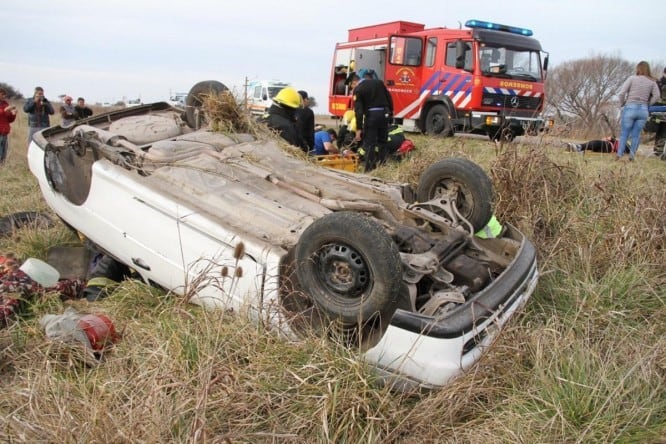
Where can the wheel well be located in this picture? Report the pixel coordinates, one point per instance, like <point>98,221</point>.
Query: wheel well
<point>440,100</point>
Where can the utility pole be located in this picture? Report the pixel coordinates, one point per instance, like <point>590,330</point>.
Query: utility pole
<point>245,85</point>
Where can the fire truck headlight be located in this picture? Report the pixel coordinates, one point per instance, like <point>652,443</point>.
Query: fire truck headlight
<point>492,120</point>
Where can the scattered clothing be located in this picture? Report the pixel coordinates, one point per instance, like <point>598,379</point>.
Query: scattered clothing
<point>17,289</point>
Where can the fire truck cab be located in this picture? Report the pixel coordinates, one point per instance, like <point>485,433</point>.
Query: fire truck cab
<point>486,79</point>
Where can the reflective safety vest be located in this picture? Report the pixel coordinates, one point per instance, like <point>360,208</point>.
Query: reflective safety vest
<point>491,230</point>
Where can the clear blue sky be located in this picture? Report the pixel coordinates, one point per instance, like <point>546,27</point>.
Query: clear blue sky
<point>108,50</point>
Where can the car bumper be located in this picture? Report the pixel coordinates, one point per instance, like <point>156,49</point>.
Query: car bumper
<point>416,354</point>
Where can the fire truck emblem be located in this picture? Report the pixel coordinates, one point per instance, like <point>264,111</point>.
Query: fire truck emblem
<point>405,76</point>
<point>514,101</point>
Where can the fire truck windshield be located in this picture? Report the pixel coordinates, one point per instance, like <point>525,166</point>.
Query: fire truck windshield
<point>510,63</point>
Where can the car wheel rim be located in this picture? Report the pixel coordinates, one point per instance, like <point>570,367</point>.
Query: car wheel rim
<point>464,200</point>
<point>343,270</point>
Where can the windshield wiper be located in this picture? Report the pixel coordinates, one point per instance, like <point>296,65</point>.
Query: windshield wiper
<point>502,74</point>
<point>523,75</point>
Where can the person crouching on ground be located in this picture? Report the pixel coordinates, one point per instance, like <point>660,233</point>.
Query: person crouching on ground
<point>324,142</point>
<point>281,116</point>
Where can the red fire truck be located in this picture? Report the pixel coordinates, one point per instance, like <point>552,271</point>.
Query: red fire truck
<point>486,79</point>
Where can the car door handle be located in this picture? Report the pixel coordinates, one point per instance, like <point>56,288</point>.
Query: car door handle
<point>140,263</point>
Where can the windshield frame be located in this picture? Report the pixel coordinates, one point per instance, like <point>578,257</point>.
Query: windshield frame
<point>497,60</point>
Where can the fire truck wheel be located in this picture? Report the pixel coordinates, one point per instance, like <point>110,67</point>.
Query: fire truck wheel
<point>474,190</point>
<point>350,267</point>
<point>194,115</point>
<point>438,121</point>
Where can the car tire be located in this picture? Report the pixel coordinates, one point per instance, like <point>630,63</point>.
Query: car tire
<point>195,98</point>
<point>438,121</point>
<point>350,267</point>
<point>14,221</point>
<point>475,194</point>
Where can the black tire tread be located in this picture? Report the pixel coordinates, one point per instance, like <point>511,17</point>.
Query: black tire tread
<point>379,252</point>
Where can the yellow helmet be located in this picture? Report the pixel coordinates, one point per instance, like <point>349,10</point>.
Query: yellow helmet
<point>288,97</point>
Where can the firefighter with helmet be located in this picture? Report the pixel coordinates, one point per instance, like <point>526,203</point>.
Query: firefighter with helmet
<point>281,116</point>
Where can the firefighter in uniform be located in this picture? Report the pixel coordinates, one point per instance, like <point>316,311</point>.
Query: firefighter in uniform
<point>281,116</point>
<point>492,229</point>
<point>373,107</point>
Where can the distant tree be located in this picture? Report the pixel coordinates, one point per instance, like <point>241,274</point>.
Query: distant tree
<point>585,91</point>
<point>11,92</point>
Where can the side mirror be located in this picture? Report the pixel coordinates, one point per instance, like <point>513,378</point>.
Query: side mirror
<point>461,49</point>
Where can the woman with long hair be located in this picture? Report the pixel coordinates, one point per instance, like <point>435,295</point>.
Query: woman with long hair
<point>638,92</point>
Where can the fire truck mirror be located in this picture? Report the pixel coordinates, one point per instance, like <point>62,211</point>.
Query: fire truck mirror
<point>461,48</point>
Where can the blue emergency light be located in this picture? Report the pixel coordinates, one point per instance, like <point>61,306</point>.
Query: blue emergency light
<point>498,27</point>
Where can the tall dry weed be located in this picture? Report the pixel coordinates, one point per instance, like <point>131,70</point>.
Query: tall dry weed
<point>609,219</point>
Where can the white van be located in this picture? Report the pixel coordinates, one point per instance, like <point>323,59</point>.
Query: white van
<point>177,99</point>
<point>260,94</point>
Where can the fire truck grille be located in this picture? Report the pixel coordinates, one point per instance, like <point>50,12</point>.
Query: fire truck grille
<point>505,101</point>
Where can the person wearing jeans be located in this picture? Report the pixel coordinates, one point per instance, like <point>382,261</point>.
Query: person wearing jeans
<point>638,91</point>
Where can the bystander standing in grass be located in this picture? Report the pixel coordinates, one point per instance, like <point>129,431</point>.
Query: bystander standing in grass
<point>7,116</point>
<point>638,91</point>
<point>67,112</point>
<point>38,109</point>
<point>82,111</point>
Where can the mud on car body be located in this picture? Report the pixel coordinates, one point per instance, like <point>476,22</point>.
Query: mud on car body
<point>396,269</point>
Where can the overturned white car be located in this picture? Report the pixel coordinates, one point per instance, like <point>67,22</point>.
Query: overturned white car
<point>235,221</point>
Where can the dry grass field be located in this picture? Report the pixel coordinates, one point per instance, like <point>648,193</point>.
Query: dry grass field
<point>585,362</point>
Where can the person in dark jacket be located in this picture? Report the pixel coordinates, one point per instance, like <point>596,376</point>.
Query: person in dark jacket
<point>38,109</point>
<point>305,120</point>
<point>82,111</point>
<point>605,145</point>
<point>373,107</point>
<point>281,116</point>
